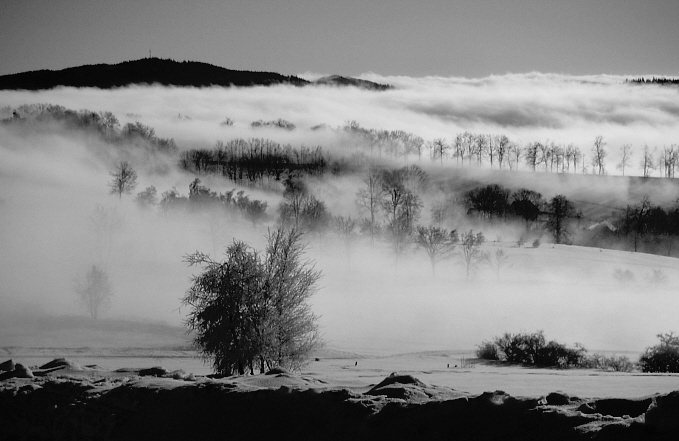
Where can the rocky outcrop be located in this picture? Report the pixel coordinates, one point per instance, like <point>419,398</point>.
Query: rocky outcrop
<point>18,371</point>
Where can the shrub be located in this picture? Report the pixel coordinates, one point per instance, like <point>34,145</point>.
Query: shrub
<point>487,351</point>
<point>521,241</point>
<point>615,363</point>
<point>536,243</point>
<point>663,357</point>
<point>657,277</point>
<point>533,348</point>
<point>621,276</point>
<point>279,123</point>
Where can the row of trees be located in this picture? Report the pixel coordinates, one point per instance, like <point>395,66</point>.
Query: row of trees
<point>649,227</point>
<point>105,124</point>
<point>499,151</point>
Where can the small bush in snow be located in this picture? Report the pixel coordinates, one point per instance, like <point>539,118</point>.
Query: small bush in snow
<point>621,276</point>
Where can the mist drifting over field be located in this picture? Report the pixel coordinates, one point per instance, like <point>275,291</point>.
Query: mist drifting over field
<point>51,182</point>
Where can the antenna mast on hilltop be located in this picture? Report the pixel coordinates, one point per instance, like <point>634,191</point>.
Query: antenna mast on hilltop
<point>150,53</point>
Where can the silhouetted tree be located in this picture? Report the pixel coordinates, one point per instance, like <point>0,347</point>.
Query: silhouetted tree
<point>402,207</point>
<point>107,223</point>
<point>173,202</point>
<point>124,179</point>
<point>560,212</point>
<point>531,153</point>
<point>491,201</point>
<point>369,199</point>
<point>345,227</point>
<point>498,260</point>
<point>471,254</point>
<point>94,291</point>
<point>625,157</point>
<point>315,217</point>
<point>599,154</point>
<point>647,162</point>
<point>438,243</point>
<point>147,198</point>
<point>294,198</point>
<point>527,204</point>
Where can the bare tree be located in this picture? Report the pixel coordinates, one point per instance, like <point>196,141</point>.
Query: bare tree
<point>560,211</point>
<point>502,147</point>
<point>124,179</point>
<point>294,198</point>
<point>148,198</point>
<point>647,161</point>
<point>598,155</point>
<point>346,227</point>
<point>670,156</point>
<point>625,157</point>
<point>577,155</point>
<point>471,254</point>
<point>438,149</point>
<point>531,154</point>
<point>94,291</point>
<point>438,243</point>
<point>369,199</point>
<point>516,152</point>
<point>107,223</point>
<point>499,260</point>
<point>109,123</point>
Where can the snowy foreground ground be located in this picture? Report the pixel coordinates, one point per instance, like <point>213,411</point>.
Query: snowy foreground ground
<point>337,396</point>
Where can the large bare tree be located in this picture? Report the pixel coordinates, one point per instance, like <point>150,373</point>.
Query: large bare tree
<point>625,157</point>
<point>124,179</point>
<point>598,155</point>
<point>438,243</point>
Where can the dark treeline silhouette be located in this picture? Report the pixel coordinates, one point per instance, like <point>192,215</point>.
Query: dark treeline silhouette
<point>644,227</point>
<point>259,161</point>
<point>648,227</point>
<point>104,124</point>
<point>337,80</point>
<point>654,80</point>
<point>201,199</point>
<point>166,72</point>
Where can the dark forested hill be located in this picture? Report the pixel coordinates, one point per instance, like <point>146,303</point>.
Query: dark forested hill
<point>144,71</point>
<point>165,72</point>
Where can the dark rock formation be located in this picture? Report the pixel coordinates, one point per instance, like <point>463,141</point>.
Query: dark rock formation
<point>7,366</point>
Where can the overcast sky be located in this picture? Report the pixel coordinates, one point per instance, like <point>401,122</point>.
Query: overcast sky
<point>347,37</point>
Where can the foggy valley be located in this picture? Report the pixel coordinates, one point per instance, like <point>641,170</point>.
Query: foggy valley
<point>54,184</point>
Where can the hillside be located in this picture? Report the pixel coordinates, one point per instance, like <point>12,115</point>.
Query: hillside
<point>160,71</point>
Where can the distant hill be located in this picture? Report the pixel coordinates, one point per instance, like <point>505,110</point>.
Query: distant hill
<point>144,71</point>
<point>337,80</point>
<point>160,71</point>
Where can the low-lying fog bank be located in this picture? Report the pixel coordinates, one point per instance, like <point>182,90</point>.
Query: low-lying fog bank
<point>54,198</point>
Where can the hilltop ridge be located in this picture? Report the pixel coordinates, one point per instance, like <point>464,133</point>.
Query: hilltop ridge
<point>166,72</point>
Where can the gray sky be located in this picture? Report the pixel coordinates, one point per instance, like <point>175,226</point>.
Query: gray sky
<point>389,37</point>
